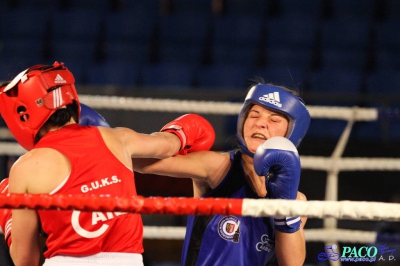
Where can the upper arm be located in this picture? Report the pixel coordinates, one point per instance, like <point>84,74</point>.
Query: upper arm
<point>301,196</point>
<point>291,247</point>
<point>25,248</point>
<point>155,145</point>
<point>203,165</point>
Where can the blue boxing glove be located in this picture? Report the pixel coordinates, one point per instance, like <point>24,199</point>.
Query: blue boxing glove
<point>278,160</point>
<point>90,117</point>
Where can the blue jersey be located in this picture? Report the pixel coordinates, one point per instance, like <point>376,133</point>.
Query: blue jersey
<point>229,240</point>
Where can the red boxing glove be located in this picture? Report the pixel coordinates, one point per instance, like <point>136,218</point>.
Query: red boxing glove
<point>5,215</point>
<point>194,131</point>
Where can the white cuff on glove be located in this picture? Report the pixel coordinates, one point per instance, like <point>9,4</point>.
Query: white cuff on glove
<point>287,224</point>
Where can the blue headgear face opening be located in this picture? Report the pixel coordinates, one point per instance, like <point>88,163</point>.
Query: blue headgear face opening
<point>277,100</point>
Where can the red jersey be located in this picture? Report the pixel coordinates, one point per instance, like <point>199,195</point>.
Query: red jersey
<point>94,171</point>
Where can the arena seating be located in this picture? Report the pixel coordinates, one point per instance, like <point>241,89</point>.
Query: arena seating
<point>318,46</point>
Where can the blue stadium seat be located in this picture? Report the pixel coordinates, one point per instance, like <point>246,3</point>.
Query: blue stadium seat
<point>290,58</point>
<point>44,5</point>
<point>76,24</point>
<point>199,6</point>
<point>237,30</point>
<point>392,9</point>
<point>136,26</point>
<point>172,75</point>
<point>325,129</point>
<point>231,55</point>
<point>190,53</point>
<point>306,8</point>
<point>236,39</point>
<point>21,48</point>
<point>336,81</point>
<point>127,51</point>
<point>345,34</point>
<point>151,8</point>
<point>9,68</point>
<point>29,23</point>
<point>100,6</point>
<point>291,32</point>
<point>346,9</point>
<point>384,81</point>
<point>339,80</point>
<point>223,77</point>
<point>291,77</point>
<point>394,122</point>
<point>69,49</point>
<point>349,59</point>
<point>113,73</point>
<point>184,28</point>
<point>369,130</point>
<point>182,37</point>
<point>254,7</point>
<point>388,60</point>
<point>386,40</point>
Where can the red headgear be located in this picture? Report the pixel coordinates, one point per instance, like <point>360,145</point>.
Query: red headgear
<point>33,96</point>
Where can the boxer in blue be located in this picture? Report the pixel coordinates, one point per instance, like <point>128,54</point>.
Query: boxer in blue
<point>271,124</point>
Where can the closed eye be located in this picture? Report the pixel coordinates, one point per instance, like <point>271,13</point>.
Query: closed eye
<point>277,118</point>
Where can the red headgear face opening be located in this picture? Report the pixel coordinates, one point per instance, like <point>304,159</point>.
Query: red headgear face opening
<point>33,96</point>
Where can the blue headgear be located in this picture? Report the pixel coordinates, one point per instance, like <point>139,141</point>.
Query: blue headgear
<point>277,100</point>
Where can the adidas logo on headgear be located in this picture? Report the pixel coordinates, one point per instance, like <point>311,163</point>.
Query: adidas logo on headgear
<point>272,98</point>
<point>59,79</point>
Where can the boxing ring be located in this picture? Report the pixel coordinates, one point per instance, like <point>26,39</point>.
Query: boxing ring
<point>330,210</point>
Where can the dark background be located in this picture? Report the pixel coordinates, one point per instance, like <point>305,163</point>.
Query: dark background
<point>335,52</point>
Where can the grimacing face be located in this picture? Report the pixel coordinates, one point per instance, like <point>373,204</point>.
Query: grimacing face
<point>262,124</point>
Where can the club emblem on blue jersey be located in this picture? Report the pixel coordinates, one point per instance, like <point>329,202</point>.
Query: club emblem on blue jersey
<point>229,228</point>
<point>266,244</point>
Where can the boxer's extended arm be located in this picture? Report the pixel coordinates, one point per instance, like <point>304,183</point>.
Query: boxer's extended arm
<point>194,131</point>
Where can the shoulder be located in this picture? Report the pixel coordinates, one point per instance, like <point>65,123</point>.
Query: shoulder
<point>38,166</point>
<point>37,157</point>
<point>122,135</point>
<point>118,131</point>
<point>218,165</point>
<point>118,138</point>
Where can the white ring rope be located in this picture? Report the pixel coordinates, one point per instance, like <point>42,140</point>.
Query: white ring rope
<point>350,210</point>
<point>311,235</point>
<point>214,107</point>
<point>307,162</point>
<point>339,235</point>
<point>350,164</point>
<point>10,148</point>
